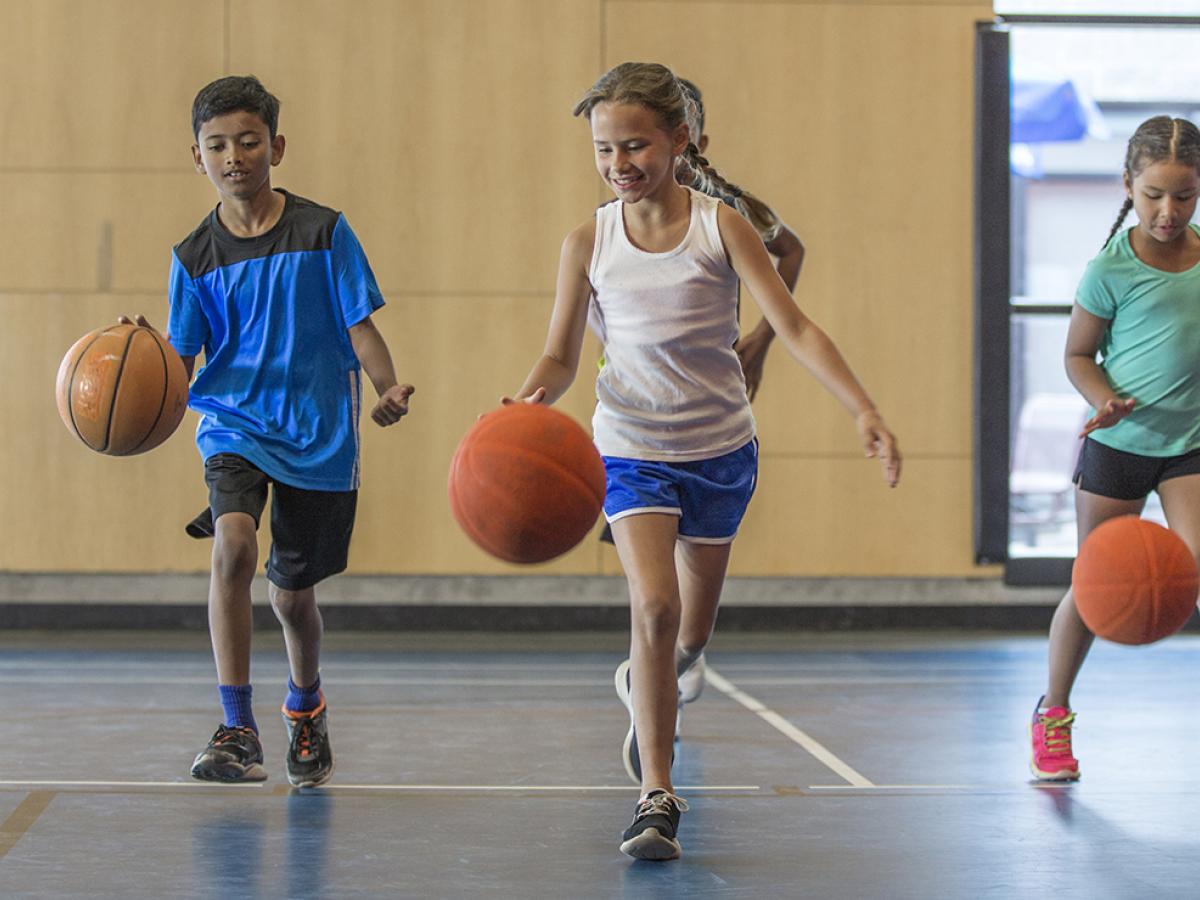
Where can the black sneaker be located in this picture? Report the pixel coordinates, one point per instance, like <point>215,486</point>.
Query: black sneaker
<point>310,755</point>
<point>651,835</point>
<point>233,754</point>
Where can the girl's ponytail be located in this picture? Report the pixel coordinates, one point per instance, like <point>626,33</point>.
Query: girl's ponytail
<point>1125,207</point>
<point>709,181</point>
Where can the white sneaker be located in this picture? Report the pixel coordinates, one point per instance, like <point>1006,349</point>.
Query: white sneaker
<point>691,682</point>
<point>629,749</point>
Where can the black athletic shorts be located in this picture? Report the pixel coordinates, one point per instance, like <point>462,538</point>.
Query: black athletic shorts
<point>1128,476</point>
<point>310,530</point>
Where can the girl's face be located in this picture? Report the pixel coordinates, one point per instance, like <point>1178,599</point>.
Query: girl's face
<point>634,154</point>
<point>1164,198</point>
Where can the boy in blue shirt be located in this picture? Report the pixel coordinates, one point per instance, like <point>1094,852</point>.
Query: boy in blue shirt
<point>277,292</point>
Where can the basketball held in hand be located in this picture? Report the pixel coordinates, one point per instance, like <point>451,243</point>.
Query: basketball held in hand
<point>1134,582</point>
<point>122,389</point>
<point>526,483</point>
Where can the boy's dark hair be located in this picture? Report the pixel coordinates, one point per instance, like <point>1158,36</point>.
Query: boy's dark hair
<point>235,93</point>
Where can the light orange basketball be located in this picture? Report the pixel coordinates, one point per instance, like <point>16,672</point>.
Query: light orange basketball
<point>1134,582</point>
<point>122,389</point>
<point>526,483</point>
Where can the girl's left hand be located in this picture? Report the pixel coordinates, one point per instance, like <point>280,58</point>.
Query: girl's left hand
<point>879,442</point>
<point>392,405</point>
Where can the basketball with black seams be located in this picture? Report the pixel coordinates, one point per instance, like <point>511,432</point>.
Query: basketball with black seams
<point>122,389</point>
<point>526,483</point>
<point>1134,581</point>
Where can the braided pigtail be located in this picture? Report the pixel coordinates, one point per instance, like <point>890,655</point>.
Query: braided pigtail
<point>1125,208</point>
<point>707,180</point>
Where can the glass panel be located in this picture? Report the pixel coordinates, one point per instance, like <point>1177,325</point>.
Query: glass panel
<point>1079,93</point>
<point>1047,415</point>
<point>1098,7</point>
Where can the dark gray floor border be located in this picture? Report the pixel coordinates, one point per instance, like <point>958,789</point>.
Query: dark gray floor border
<point>74,616</point>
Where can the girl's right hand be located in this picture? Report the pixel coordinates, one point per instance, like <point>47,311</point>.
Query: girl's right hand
<point>138,320</point>
<point>1113,411</point>
<point>536,397</point>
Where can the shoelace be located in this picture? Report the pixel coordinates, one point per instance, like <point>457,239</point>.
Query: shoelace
<point>305,739</point>
<point>1058,733</point>
<point>660,804</point>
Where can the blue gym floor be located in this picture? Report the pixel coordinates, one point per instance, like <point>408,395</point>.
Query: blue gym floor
<point>831,766</point>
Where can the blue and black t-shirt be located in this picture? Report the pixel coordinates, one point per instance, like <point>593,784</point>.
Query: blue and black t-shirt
<point>280,385</point>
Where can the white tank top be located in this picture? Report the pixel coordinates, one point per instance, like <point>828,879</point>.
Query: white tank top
<point>671,387</point>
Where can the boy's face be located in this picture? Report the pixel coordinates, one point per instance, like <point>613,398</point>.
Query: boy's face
<point>236,152</point>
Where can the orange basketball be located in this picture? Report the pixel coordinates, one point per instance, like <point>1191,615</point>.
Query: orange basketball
<point>526,483</point>
<point>122,389</point>
<point>1134,582</point>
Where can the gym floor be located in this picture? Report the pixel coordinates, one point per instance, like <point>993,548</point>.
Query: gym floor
<point>821,765</point>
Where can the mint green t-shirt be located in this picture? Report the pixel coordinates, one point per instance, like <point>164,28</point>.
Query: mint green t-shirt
<point>1150,350</point>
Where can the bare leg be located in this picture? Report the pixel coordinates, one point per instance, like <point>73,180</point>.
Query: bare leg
<point>1181,503</point>
<point>700,569</point>
<point>230,623</point>
<point>1070,639</point>
<point>303,628</point>
<point>646,545</point>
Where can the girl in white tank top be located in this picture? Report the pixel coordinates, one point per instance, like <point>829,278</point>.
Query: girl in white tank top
<point>658,273</point>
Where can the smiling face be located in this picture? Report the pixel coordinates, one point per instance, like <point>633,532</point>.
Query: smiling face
<point>1164,198</point>
<point>236,152</point>
<point>634,154</point>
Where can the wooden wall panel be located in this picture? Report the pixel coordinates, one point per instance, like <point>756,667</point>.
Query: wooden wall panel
<point>462,354</point>
<point>67,508</point>
<point>103,84</point>
<point>442,128</point>
<point>97,232</point>
<point>863,144</point>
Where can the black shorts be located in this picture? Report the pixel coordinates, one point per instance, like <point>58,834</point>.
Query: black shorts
<point>1128,476</point>
<point>310,530</point>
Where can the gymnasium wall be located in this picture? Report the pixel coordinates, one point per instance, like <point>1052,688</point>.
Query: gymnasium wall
<point>442,129</point>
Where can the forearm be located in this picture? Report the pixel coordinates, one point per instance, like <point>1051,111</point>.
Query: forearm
<point>374,356</point>
<point>550,373</point>
<point>1090,380</point>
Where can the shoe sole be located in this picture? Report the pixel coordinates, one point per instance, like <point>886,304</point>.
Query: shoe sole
<point>314,782</point>
<point>230,774</point>
<point>650,844</point>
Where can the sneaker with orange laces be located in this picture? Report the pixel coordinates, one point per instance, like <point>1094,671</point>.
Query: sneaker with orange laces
<point>310,755</point>
<point>1050,735</point>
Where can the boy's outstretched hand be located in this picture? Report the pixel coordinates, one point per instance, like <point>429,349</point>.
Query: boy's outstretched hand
<point>392,405</point>
<point>138,320</point>
<point>879,442</point>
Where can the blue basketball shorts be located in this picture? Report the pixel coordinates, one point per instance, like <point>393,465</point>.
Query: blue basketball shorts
<point>710,496</point>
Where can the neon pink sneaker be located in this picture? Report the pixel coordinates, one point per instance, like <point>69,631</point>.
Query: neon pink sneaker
<point>1050,734</point>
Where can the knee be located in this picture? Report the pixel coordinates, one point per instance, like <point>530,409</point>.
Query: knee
<point>235,556</point>
<point>656,619</point>
<point>290,606</point>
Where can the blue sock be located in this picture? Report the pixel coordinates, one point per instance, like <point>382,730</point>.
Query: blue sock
<point>235,700</point>
<point>303,699</point>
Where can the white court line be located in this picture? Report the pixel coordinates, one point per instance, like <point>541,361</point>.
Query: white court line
<point>779,723</point>
<point>395,788</point>
<point>896,787</point>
